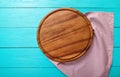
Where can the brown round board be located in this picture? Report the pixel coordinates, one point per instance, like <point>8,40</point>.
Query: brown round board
<point>64,35</point>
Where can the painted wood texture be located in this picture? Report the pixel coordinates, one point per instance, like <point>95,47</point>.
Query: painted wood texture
<point>11,17</point>
<point>19,19</point>
<point>59,3</point>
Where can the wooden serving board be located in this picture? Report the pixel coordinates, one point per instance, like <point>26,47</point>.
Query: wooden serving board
<point>64,35</point>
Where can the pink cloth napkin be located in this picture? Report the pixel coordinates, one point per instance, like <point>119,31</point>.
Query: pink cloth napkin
<point>97,61</point>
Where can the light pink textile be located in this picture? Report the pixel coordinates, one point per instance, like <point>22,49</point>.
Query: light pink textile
<point>97,61</point>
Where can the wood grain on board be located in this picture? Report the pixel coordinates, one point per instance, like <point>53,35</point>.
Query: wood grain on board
<point>65,35</point>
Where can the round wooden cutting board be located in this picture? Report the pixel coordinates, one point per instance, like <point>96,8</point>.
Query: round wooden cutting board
<point>64,35</point>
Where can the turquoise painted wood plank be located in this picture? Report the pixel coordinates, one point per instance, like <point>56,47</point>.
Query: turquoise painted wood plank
<point>30,72</point>
<point>59,3</point>
<point>116,37</point>
<point>33,57</point>
<point>116,56</point>
<point>26,37</point>
<point>23,57</point>
<point>18,37</point>
<point>31,17</point>
<point>114,72</point>
<point>21,17</point>
<point>43,72</point>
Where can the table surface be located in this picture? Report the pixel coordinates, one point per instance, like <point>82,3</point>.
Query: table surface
<point>20,55</point>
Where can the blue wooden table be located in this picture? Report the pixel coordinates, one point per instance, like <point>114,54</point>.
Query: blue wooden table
<point>19,19</point>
